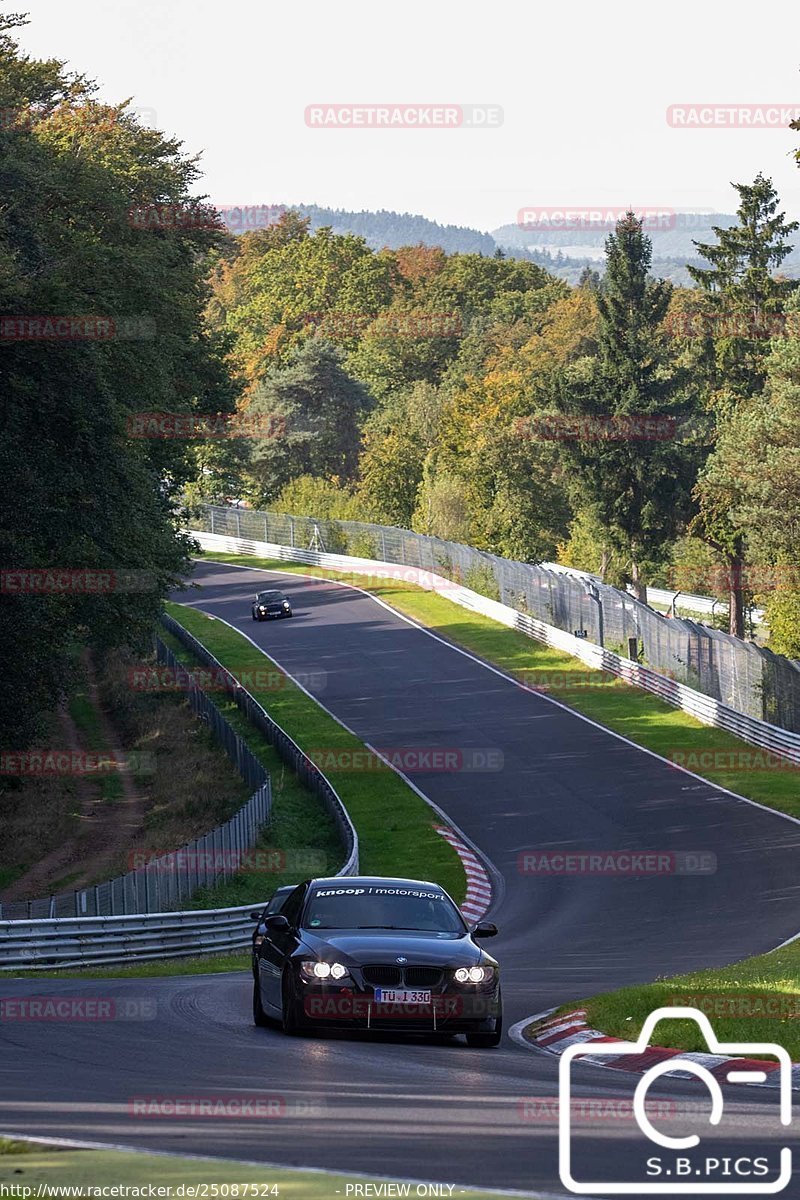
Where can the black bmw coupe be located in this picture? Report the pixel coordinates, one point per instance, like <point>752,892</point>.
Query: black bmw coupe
<point>375,954</point>
<point>269,605</point>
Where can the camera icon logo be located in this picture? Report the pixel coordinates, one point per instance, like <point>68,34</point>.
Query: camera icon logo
<point>685,1167</point>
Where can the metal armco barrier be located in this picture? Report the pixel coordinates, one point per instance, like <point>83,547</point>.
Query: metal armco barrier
<point>53,941</point>
<point>710,711</point>
<point>290,752</point>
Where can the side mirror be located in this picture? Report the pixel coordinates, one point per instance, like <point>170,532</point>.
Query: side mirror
<point>277,922</point>
<point>255,916</point>
<point>486,929</point>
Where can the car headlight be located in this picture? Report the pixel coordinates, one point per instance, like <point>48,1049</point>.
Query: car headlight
<point>286,604</point>
<point>323,970</point>
<point>262,608</point>
<point>473,974</point>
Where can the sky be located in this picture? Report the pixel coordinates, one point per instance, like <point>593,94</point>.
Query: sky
<point>575,98</point>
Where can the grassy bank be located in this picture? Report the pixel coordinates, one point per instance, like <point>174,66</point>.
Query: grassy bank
<point>757,1000</point>
<point>395,826</point>
<point>646,720</point>
<point>33,1166</point>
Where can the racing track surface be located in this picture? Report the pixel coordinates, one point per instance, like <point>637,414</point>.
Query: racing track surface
<point>408,1108</point>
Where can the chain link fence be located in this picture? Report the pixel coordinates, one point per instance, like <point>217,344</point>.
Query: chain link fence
<point>746,677</point>
<point>307,771</point>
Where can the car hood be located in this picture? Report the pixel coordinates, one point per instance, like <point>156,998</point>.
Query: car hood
<point>362,947</point>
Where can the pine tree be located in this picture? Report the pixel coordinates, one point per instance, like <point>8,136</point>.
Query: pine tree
<point>633,466</point>
<point>746,304</point>
<point>743,295</point>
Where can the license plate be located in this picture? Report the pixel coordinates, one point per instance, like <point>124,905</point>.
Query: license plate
<point>401,996</point>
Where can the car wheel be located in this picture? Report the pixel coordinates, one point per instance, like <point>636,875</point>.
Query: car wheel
<point>259,1016</point>
<point>293,1023</point>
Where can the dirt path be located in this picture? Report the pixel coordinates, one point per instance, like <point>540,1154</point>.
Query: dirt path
<point>104,831</point>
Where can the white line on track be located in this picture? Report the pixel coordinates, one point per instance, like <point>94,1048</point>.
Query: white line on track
<point>523,687</point>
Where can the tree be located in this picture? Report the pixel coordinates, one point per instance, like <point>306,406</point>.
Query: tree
<point>311,410</point>
<point>746,306</point>
<point>743,295</point>
<point>755,469</point>
<point>622,424</point>
<point>81,492</point>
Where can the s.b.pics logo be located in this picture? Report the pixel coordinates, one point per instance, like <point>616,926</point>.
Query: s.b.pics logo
<point>671,1165</point>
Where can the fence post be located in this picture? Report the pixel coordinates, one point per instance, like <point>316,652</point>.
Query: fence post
<point>212,520</point>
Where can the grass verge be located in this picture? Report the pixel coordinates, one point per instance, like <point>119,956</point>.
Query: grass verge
<point>757,1000</point>
<point>717,756</point>
<point>208,964</point>
<point>395,826</point>
<point>36,1166</point>
<point>301,838</point>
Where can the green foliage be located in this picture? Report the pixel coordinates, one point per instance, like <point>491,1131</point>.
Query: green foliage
<point>633,467</point>
<point>442,509</point>
<point>82,493</point>
<point>314,408</point>
<point>741,291</point>
<point>482,580</point>
<point>311,496</point>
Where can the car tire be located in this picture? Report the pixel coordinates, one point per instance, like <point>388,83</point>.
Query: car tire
<point>293,1023</point>
<point>260,1018</point>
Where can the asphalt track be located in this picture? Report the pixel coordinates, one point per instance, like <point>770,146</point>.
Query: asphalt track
<point>405,1108</point>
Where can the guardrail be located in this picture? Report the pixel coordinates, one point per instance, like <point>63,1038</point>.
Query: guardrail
<point>78,941</point>
<point>739,674</point>
<point>705,708</point>
<point>308,771</point>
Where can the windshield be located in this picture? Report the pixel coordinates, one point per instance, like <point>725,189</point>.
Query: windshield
<point>387,906</point>
<point>263,596</point>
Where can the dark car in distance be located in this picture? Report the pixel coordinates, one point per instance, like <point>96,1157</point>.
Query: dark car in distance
<point>377,954</point>
<point>269,605</point>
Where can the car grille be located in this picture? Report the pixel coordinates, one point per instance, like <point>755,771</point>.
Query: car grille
<point>383,976</point>
<point>423,977</point>
<point>413,977</point>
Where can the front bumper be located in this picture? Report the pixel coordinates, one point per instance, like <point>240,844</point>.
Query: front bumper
<point>450,1010</point>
